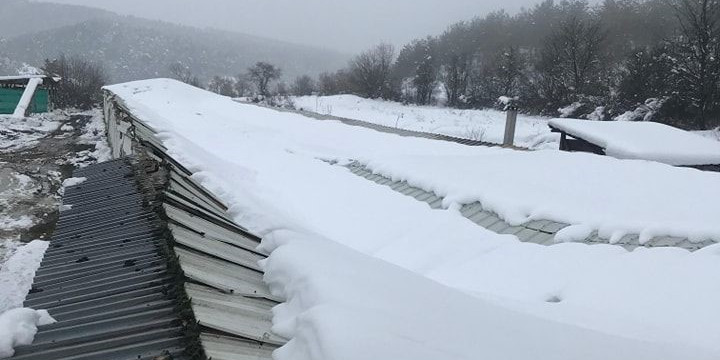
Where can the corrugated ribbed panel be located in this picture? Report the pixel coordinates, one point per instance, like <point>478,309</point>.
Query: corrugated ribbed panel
<point>106,277</point>
<point>539,231</point>
<point>218,258</point>
<point>229,299</point>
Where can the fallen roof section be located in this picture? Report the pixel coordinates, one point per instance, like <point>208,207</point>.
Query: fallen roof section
<point>143,266</point>
<point>540,232</point>
<point>643,140</point>
<point>23,105</point>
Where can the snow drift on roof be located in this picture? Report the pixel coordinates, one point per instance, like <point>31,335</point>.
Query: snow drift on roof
<point>644,140</point>
<point>264,165</point>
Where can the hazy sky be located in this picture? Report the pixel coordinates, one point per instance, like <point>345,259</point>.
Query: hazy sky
<point>345,25</point>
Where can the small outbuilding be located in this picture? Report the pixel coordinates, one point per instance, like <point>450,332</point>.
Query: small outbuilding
<point>640,140</point>
<point>13,91</point>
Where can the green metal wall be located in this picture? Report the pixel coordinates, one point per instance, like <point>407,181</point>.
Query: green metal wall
<point>9,98</point>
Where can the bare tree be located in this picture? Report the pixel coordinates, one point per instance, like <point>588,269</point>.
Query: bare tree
<point>281,89</point>
<point>182,73</point>
<point>456,73</point>
<point>697,60</point>
<point>303,85</point>
<point>571,57</point>
<point>222,85</point>
<point>261,74</point>
<point>500,74</point>
<point>334,83</point>
<point>416,68</point>
<point>370,71</point>
<point>242,85</point>
<point>424,81</point>
<point>81,81</point>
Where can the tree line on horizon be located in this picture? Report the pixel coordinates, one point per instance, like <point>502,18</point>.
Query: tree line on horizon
<point>649,60</point>
<point>646,60</point>
<point>652,60</point>
<point>655,60</point>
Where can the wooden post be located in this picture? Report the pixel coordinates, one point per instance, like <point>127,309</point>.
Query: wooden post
<point>510,126</point>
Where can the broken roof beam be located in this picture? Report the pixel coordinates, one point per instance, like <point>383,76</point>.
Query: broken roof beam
<point>23,107</point>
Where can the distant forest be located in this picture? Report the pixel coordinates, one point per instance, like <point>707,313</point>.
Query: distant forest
<point>652,60</point>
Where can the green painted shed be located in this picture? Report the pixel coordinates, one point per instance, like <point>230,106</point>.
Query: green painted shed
<point>12,88</point>
<point>9,98</point>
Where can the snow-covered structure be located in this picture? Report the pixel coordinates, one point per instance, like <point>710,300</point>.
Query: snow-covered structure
<point>642,140</point>
<point>21,95</point>
<point>145,263</point>
<point>358,271</point>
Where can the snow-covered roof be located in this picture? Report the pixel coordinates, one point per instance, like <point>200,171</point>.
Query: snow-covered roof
<point>128,296</point>
<point>16,78</point>
<point>21,77</point>
<point>267,166</point>
<point>643,140</point>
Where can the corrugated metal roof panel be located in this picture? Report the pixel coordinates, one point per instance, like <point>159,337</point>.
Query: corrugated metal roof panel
<point>208,229</point>
<point>219,249</point>
<point>217,258</point>
<point>220,347</point>
<point>222,275</point>
<point>536,231</point>
<point>106,277</point>
<point>232,314</point>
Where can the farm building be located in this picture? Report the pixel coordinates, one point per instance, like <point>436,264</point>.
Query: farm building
<point>641,140</point>
<point>39,88</point>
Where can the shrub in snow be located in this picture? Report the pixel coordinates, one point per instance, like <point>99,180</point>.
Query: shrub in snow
<point>570,110</point>
<point>279,101</point>
<point>644,112</point>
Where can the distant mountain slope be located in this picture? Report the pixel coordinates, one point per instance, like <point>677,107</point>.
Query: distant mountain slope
<point>132,48</point>
<point>19,17</point>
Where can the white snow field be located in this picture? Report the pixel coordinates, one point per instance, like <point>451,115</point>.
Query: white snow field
<point>644,140</point>
<point>370,273</point>
<point>483,125</point>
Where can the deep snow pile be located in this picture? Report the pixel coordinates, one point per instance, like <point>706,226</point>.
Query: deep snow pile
<point>265,165</point>
<point>484,125</point>
<point>644,140</point>
<point>710,134</point>
<point>345,305</point>
<point>17,272</point>
<point>615,197</point>
<point>17,325</point>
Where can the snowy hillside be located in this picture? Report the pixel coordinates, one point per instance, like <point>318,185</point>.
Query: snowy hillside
<point>484,125</point>
<point>369,273</point>
<point>131,48</point>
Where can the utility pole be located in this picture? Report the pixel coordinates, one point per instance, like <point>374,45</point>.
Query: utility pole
<point>510,121</point>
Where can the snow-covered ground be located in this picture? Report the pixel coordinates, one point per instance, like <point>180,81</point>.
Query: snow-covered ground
<point>370,273</point>
<point>710,134</point>
<point>484,125</point>
<point>16,134</point>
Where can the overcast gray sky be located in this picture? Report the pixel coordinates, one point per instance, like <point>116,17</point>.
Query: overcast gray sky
<point>345,25</point>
